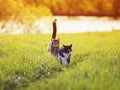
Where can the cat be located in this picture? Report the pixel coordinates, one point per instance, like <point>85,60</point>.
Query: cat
<point>63,54</point>
<point>53,46</point>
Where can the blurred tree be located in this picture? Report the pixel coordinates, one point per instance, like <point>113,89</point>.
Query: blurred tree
<point>7,8</point>
<point>24,9</point>
<point>116,8</point>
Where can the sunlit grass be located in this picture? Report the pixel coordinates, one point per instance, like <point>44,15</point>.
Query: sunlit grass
<point>95,63</point>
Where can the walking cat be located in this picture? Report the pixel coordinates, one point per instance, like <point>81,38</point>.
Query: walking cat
<point>53,46</point>
<point>63,54</point>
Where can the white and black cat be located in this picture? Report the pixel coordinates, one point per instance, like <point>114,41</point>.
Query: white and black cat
<point>63,54</point>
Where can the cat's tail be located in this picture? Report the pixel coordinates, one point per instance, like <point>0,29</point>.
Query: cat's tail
<point>54,29</point>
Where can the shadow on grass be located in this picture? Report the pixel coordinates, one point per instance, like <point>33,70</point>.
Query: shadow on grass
<point>79,58</point>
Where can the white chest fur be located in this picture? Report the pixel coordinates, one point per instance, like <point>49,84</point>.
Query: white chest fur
<point>64,59</point>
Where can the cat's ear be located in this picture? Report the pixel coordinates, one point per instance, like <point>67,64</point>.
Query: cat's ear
<point>70,45</point>
<point>58,39</point>
<point>63,45</point>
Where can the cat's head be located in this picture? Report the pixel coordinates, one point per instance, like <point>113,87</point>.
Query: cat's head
<point>55,41</point>
<point>67,48</point>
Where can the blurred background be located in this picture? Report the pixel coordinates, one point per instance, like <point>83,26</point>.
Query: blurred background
<point>36,16</point>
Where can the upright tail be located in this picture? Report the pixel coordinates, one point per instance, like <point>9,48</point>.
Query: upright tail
<point>54,29</point>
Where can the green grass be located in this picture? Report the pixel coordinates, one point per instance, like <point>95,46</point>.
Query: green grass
<point>26,65</point>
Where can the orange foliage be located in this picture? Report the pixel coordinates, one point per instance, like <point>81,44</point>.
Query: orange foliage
<point>33,9</point>
<point>19,10</point>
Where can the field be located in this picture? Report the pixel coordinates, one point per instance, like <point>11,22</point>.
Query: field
<point>25,63</point>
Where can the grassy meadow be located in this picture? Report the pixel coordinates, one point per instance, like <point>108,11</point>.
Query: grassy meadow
<point>25,63</point>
